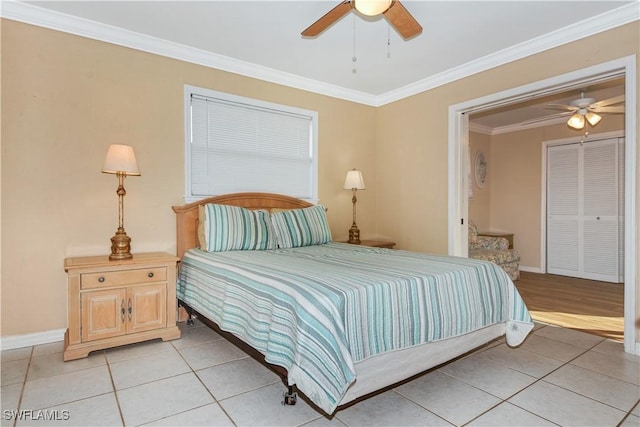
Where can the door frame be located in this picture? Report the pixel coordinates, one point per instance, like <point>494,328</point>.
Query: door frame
<point>458,165</point>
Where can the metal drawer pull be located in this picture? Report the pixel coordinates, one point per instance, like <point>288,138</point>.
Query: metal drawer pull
<point>101,279</point>
<point>129,309</point>
<point>122,310</point>
<point>150,274</point>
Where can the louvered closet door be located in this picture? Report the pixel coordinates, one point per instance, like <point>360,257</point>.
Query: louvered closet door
<point>600,210</point>
<point>563,225</point>
<point>584,216</point>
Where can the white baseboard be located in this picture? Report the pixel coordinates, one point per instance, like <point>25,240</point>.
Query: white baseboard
<point>530,269</point>
<point>27,340</point>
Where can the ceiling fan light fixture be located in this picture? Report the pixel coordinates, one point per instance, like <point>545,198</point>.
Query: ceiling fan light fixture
<point>593,118</point>
<point>576,121</point>
<point>371,7</point>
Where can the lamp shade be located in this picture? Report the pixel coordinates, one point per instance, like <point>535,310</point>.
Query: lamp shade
<point>372,7</point>
<point>576,121</point>
<point>593,118</point>
<point>354,180</point>
<point>121,158</point>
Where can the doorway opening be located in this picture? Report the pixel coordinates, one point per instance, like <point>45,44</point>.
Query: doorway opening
<point>459,164</point>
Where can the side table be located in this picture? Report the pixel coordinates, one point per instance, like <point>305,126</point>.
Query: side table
<point>375,243</point>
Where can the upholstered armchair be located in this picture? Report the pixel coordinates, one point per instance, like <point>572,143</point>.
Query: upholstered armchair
<point>496,250</point>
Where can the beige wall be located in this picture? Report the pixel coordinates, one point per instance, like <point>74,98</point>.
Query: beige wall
<point>65,99</point>
<point>412,135</point>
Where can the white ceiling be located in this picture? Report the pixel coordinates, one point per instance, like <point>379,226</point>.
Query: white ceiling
<point>262,38</point>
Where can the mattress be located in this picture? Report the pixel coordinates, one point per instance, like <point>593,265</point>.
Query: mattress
<point>318,311</point>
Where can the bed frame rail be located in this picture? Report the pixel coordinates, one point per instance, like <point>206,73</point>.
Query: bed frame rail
<point>289,397</point>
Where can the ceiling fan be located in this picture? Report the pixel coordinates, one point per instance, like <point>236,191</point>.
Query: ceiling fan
<point>585,110</point>
<point>393,10</point>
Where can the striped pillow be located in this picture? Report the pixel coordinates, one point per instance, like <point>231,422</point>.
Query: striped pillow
<point>301,227</point>
<point>229,228</point>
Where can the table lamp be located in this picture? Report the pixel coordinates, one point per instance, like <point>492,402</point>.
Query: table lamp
<point>121,161</point>
<point>354,182</point>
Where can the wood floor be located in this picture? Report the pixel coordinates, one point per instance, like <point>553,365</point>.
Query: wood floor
<point>586,305</point>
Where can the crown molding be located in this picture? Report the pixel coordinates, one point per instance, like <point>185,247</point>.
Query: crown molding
<point>478,128</point>
<point>38,16</point>
<point>42,17</point>
<point>530,124</point>
<point>588,27</point>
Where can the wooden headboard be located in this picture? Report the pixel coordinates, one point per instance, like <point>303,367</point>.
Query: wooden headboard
<point>187,215</point>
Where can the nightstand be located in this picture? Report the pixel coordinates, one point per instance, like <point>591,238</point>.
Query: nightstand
<point>112,303</point>
<point>375,243</point>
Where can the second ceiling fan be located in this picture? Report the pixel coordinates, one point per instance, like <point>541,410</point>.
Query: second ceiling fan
<point>393,10</point>
<point>585,110</point>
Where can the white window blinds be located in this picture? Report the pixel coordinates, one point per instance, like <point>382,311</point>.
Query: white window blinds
<point>237,144</point>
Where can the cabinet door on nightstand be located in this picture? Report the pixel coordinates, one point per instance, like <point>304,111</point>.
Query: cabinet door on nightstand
<point>148,307</point>
<point>103,314</point>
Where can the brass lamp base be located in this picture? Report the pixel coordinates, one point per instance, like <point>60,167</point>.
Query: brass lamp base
<point>354,234</point>
<point>120,246</point>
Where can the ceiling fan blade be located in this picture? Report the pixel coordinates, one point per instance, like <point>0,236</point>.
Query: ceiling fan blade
<point>560,107</point>
<point>327,19</point>
<point>546,118</point>
<point>615,100</point>
<point>402,21</point>
<point>608,110</point>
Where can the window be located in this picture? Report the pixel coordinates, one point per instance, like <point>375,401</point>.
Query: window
<point>236,144</point>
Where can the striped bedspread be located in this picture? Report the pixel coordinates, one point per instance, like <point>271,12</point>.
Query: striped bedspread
<point>317,310</point>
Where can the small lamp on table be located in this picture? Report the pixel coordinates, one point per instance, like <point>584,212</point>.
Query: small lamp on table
<point>121,161</point>
<point>354,182</point>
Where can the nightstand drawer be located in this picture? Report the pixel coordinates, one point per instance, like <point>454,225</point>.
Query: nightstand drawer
<point>122,277</point>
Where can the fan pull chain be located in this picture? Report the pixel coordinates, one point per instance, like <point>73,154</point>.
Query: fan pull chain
<point>354,59</point>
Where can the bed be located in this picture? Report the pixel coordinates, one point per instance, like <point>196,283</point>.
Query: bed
<point>341,320</point>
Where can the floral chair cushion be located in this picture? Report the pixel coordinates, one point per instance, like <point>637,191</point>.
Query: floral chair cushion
<point>485,242</point>
<point>494,249</point>
<point>492,243</point>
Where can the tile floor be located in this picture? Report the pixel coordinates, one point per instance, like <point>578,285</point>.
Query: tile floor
<point>556,377</point>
